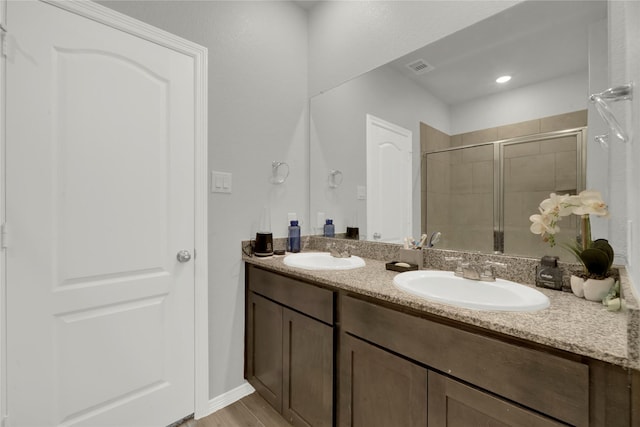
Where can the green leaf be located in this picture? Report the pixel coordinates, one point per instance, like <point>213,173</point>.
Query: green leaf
<point>603,245</point>
<point>596,261</point>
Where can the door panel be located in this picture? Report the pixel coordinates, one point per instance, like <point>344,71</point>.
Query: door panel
<point>308,371</point>
<point>86,187</point>
<point>378,388</point>
<point>389,181</point>
<point>100,179</point>
<point>264,349</point>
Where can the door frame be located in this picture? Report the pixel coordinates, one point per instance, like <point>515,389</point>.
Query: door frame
<point>116,20</point>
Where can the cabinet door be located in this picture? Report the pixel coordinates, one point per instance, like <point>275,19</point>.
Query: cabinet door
<point>308,371</point>
<point>379,389</point>
<point>453,404</point>
<point>264,348</point>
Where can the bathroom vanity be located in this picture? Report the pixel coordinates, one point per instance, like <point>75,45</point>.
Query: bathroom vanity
<point>347,348</point>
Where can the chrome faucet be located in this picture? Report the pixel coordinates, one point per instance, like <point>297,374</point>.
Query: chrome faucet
<point>466,270</point>
<point>336,253</point>
<point>469,272</point>
<point>488,273</point>
<point>459,266</point>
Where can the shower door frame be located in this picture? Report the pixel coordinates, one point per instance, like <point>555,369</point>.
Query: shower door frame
<point>499,174</point>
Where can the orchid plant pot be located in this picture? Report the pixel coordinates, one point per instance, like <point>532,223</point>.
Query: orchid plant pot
<point>577,286</point>
<point>591,289</point>
<point>597,289</point>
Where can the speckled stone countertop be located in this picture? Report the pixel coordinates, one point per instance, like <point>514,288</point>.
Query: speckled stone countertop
<point>570,323</point>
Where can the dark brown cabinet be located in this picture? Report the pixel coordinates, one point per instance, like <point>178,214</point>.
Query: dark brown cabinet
<point>454,404</point>
<point>289,354</point>
<point>479,379</point>
<point>380,389</point>
<point>264,362</point>
<point>308,371</point>
<point>399,367</point>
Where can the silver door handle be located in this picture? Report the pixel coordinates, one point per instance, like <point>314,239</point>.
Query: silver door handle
<point>184,256</point>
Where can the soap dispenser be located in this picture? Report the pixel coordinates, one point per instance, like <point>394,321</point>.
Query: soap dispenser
<point>293,242</point>
<point>329,229</point>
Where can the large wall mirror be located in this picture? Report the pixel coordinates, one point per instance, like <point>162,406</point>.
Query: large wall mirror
<point>431,142</point>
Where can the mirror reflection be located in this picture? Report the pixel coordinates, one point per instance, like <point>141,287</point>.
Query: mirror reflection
<point>445,101</point>
<point>481,196</point>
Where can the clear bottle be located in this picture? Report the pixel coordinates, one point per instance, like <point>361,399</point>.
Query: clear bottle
<point>293,242</point>
<point>329,229</point>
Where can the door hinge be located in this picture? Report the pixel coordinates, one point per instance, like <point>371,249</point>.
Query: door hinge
<point>3,236</point>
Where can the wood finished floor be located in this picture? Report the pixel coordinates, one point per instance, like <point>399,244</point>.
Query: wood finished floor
<point>250,411</point>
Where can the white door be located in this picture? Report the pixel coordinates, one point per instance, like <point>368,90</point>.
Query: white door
<point>100,198</point>
<point>389,191</point>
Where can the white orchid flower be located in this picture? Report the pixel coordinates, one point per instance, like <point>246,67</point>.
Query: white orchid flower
<point>590,202</point>
<point>543,224</point>
<point>557,205</point>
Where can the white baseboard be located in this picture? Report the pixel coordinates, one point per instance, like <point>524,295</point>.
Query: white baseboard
<point>228,398</point>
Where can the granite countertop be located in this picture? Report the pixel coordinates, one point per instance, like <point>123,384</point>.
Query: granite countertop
<point>570,323</point>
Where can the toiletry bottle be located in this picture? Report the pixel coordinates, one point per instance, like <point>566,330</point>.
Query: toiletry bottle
<point>293,242</point>
<point>329,229</point>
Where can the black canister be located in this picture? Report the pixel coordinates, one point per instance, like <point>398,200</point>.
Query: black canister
<point>548,274</point>
<point>264,244</point>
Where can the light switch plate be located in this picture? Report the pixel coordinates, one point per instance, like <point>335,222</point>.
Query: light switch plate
<point>361,191</point>
<point>220,182</point>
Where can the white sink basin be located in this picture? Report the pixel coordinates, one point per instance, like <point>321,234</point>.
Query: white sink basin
<point>322,261</point>
<point>444,287</point>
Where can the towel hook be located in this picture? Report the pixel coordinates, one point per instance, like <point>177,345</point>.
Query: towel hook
<point>618,93</point>
<point>335,178</point>
<point>276,176</point>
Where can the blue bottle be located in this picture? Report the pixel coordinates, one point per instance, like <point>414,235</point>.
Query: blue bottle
<point>293,242</point>
<point>329,229</point>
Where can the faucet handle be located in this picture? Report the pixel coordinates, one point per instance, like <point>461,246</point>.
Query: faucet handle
<point>459,271</point>
<point>488,274</point>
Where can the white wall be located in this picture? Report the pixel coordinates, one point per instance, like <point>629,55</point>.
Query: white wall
<point>597,176</point>
<point>549,98</point>
<point>348,38</point>
<point>624,56</point>
<point>257,114</point>
<point>338,139</point>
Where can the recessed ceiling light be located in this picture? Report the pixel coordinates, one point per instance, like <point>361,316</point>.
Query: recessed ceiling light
<point>503,79</point>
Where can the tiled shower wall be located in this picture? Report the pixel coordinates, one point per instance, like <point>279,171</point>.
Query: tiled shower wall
<point>458,200</point>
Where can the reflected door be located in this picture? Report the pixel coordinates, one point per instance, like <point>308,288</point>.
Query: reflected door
<point>100,199</point>
<point>389,188</point>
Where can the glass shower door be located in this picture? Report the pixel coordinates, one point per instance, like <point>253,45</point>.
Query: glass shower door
<point>531,170</point>
<point>460,189</point>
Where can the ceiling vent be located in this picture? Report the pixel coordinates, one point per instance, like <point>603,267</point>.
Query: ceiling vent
<point>420,66</point>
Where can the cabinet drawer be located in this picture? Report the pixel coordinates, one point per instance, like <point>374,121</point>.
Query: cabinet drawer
<point>542,381</point>
<point>311,300</point>
<point>453,404</point>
